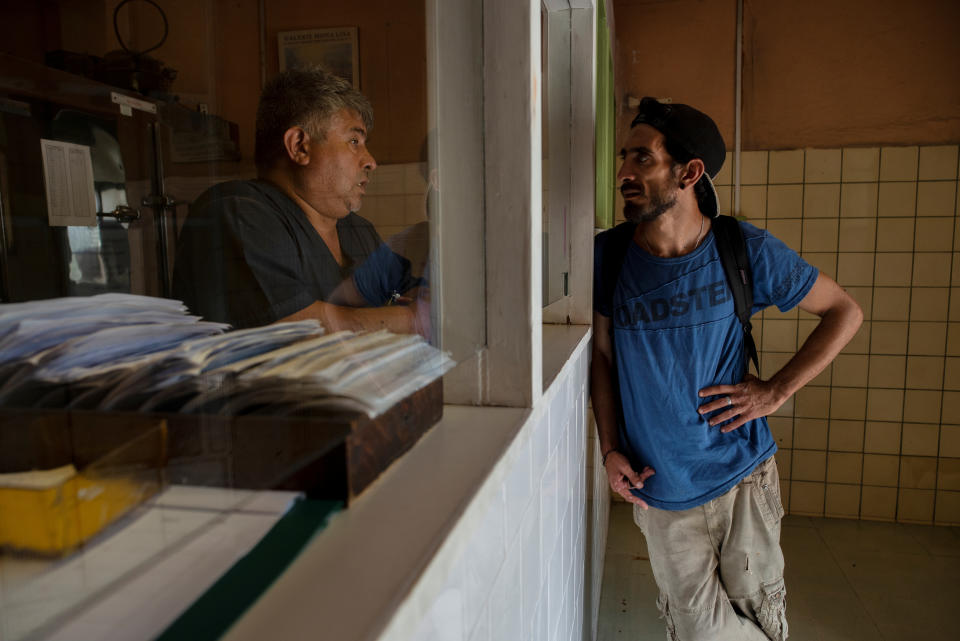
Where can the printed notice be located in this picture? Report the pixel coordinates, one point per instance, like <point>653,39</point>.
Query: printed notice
<point>68,177</point>
<point>335,49</point>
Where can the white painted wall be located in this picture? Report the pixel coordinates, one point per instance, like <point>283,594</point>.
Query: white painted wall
<point>524,560</point>
<point>598,511</point>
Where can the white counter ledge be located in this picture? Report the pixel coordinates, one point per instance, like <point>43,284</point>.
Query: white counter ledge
<point>401,562</point>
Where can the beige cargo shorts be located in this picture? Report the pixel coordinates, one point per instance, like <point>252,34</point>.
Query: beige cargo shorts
<point>719,566</point>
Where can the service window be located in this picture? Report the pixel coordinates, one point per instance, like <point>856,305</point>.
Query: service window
<point>257,162</point>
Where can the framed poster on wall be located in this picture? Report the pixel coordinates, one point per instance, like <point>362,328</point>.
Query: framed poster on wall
<point>335,49</point>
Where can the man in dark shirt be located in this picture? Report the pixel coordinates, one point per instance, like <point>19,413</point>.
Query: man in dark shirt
<point>288,246</point>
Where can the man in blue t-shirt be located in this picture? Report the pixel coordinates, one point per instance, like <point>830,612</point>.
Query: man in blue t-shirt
<point>681,421</point>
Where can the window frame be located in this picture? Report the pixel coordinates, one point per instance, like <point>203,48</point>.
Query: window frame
<point>490,174</point>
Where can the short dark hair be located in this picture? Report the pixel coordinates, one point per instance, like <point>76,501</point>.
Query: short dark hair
<point>306,98</point>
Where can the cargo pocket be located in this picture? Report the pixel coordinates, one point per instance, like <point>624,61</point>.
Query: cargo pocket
<point>664,608</point>
<point>773,611</point>
<point>767,493</point>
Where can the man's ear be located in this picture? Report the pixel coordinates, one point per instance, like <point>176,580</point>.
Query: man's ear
<point>692,172</point>
<point>296,142</point>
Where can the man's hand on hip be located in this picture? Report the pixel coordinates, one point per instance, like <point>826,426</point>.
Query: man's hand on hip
<point>623,477</point>
<point>743,402</point>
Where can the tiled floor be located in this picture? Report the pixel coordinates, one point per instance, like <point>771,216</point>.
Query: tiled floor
<point>846,581</point>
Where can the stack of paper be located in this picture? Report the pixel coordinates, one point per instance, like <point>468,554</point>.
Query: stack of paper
<point>135,353</point>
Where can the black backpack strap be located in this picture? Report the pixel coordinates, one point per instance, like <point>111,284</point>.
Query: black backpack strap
<point>613,256</point>
<point>732,248</point>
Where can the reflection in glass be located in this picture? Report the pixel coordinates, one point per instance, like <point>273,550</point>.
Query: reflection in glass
<point>165,97</point>
<point>98,258</point>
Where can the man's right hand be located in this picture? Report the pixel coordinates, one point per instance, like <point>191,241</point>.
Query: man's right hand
<point>623,477</point>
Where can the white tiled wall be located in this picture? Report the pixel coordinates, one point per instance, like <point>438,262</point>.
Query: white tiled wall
<point>875,435</point>
<point>525,559</point>
<point>598,517</point>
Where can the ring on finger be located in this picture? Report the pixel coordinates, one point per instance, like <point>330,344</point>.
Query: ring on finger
<point>729,401</point>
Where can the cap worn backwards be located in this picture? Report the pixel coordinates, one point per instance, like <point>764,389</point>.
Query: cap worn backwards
<point>693,131</point>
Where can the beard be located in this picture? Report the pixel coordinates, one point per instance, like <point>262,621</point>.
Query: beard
<point>658,204</point>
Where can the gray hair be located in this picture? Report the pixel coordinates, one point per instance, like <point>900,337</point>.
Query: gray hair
<point>307,98</point>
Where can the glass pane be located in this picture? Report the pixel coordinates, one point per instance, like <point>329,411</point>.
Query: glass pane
<point>261,162</point>
<point>555,67</point>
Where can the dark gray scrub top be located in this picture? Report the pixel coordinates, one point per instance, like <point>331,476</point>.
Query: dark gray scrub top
<point>247,255</point>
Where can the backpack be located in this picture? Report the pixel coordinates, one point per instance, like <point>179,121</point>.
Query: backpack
<point>732,248</point>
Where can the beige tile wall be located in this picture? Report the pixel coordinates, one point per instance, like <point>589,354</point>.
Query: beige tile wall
<point>877,435</point>
<point>395,198</point>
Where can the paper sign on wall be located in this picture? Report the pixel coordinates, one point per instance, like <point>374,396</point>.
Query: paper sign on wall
<point>68,178</point>
<point>334,49</point>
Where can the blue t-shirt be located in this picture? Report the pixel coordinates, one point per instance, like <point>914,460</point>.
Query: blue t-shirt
<point>676,332</point>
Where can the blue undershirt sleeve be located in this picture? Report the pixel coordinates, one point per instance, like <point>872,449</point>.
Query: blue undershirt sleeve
<point>382,274</point>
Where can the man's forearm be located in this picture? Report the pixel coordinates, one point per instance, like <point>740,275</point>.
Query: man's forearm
<point>399,319</point>
<point>836,328</point>
<point>603,399</point>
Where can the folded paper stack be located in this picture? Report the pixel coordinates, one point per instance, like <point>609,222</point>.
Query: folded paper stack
<point>124,352</point>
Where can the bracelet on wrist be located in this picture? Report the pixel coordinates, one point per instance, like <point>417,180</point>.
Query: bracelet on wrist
<point>603,459</point>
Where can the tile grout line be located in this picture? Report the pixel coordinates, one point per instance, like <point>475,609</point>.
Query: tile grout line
<point>863,430</point>
<point>836,275</point>
<point>910,322</point>
<point>943,375</point>
<point>804,254</point>
<point>873,295</point>
<point>793,411</point>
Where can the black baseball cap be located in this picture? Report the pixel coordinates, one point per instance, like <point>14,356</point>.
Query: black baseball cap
<point>694,132</point>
